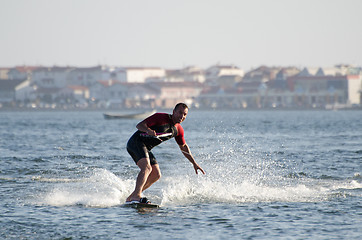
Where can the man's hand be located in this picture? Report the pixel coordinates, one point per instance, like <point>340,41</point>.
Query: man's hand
<point>151,132</point>
<point>142,126</point>
<point>197,167</point>
<point>186,151</point>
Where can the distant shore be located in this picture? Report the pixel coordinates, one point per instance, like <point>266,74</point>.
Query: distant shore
<point>12,109</point>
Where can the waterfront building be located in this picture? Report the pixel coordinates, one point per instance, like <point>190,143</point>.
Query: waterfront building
<point>51,77</point>
<point>225,75</point>
<point>25,92</point>
<point>138,74</point>
<point>193,74</point>
<point>79,93</point>
<point>187,74</point>
<point>321,90</point>
<point>108,93</point>
<point>8,91</point>
<point>216,87</point>
<point>86,76</point>
<point>21,72</point>
<point>267,87</point>
<point>4,73</point>
<point>170,93</point>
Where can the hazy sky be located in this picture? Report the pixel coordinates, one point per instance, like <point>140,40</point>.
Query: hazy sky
<point>174,34</point>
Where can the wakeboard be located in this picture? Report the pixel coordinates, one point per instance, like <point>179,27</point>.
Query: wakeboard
<point>141,205</point>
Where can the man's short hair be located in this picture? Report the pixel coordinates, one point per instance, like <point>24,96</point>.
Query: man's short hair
<point>183,105</point>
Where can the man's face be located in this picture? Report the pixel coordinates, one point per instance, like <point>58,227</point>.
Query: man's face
<point>179,114</point>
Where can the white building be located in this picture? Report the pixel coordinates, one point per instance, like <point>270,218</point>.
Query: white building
<point>106,90</point>
<point>194,74</point>
<point>87,76</point>
<point>354,84</point>
<point>218,71</point>
<point>188,74</point>
<point>25,91</point>
<point>339,70</point>
<point>221,70</point>
<point>51,77</point>
<point>21,72</point>
<point>4,73</point>
<point>80,93</point>
<point>138,74</point>
<point>8,90</point>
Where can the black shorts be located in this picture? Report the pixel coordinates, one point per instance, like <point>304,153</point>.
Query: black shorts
<point>138,150</point>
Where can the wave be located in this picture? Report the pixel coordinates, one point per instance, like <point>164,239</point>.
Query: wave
<point>102,188</point>
<point>207,190</point>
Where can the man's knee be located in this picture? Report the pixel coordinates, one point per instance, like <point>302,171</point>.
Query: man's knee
<point>156,172</point>
<point>158,175</point>
<point>145,165</point>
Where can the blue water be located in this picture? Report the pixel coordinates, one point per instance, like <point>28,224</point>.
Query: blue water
<point>270,175</point>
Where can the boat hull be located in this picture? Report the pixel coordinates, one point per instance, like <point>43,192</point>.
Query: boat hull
<point>128,116</point>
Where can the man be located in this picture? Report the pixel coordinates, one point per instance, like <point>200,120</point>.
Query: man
<point>151,132</point>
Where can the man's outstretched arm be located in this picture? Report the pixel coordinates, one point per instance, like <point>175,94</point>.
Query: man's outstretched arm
<point>187,153</point>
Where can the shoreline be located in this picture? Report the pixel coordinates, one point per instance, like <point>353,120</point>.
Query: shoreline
<point>104,110</point>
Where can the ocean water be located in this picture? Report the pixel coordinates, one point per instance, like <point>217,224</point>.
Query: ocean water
<point>269,175</point>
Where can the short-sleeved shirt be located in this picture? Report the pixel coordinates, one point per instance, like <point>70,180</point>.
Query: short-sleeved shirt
<point>140,144</point>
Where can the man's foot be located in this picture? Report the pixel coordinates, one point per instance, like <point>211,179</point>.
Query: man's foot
<point>133,197</point>
<point>141,200</point>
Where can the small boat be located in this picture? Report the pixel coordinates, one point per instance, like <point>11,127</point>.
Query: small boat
<point>141,115</point>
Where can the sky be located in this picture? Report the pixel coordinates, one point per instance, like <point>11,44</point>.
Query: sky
<point>175,34</point>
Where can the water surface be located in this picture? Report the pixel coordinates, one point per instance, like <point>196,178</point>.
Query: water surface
<point>270,175</point>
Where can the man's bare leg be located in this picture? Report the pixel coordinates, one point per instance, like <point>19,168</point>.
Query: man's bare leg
<point>153,177</point>
<point>146,169</point>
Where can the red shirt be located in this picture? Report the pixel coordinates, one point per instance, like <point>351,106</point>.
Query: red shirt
<point>162,123</point>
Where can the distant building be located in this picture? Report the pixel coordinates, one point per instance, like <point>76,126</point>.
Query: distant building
<point>98,92</point>
<point>140,95</point>
<point>228,81</point>
<point>138,74</point>
<point>87,76</point>
<point>338,70</point>
<point>116,94</point>
<point>188,74</point>
<point>108,93</point>
<point>354,83</point>
<point>223,75</point>
<point>171,76</point>
<point>279,83</point>
<point>80,93</point>
<point>218,97</point>
<point>25,92</point>
<point>316,89</point>
<point>8,90</point>
<point>170,93</point>
<point>193,74</point>
<point>217,87</point>
<point>4,73</point>
<point>289,87</point>
<point>51,77</point>
<point>308,71</point>
<point>21,72</point>
<point>261,74</point>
